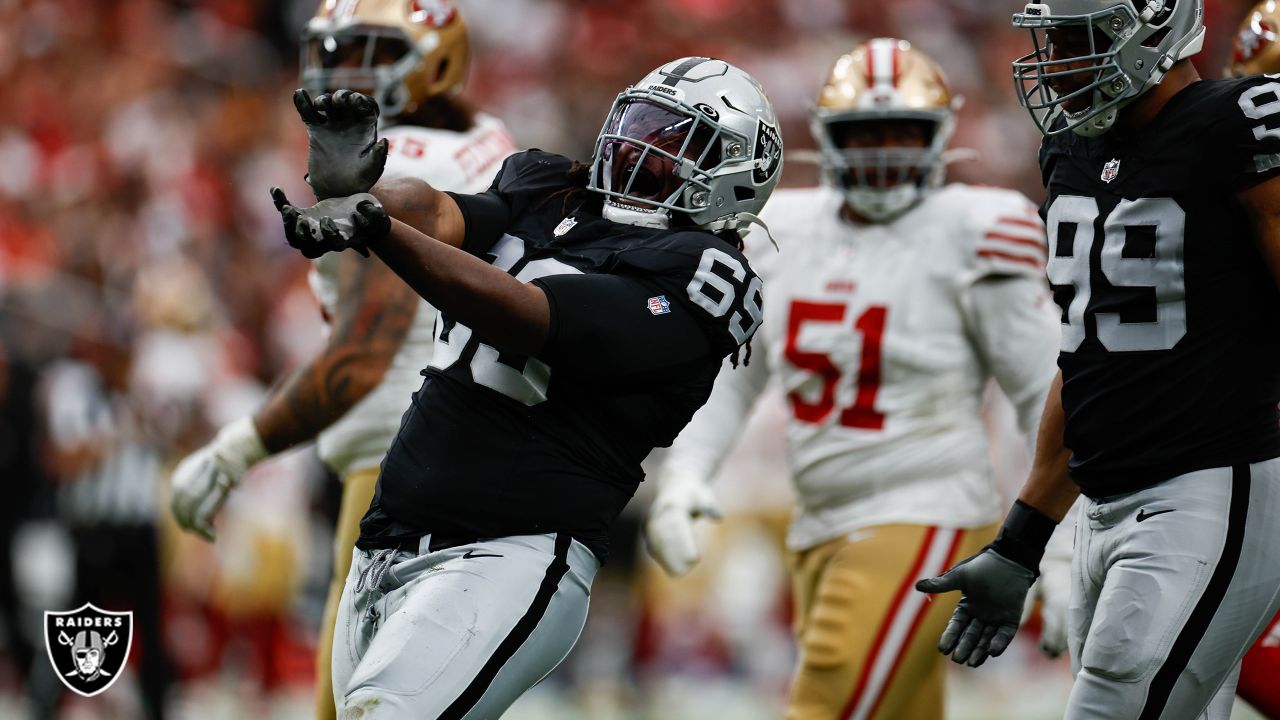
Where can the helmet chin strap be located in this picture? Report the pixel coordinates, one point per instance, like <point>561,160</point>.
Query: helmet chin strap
<point>655,218</point>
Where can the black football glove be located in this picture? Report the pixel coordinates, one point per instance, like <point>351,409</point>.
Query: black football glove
<point>333,225</point>
<point>994,584</point>
<point>344,155</point>
<point>987,617</point>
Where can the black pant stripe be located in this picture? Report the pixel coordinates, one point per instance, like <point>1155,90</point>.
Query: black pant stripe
<point>1198,622</point>
<point>514,639</point>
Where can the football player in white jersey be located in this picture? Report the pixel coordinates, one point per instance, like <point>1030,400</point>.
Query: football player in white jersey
<point>412,57</point>
<point>893,301</point>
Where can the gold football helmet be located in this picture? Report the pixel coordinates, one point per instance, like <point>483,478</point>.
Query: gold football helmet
<point>401,52</point>
<point>884,83</point>
<point>1256,50</point>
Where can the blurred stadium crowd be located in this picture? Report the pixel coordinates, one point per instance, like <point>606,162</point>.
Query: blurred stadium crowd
<point>146,296</point>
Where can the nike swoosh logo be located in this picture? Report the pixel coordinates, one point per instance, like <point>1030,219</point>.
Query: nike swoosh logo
<point>473,554</point>
<point>1143,514</point>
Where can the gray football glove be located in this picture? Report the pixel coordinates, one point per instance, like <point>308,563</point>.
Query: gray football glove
<point>986,619</point>
<point>333,225</point>
<point>344,155</point>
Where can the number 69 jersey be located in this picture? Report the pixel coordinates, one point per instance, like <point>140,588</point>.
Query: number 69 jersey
<point>1170,353</point>
<point>497,444</point>
<point>883,337</point>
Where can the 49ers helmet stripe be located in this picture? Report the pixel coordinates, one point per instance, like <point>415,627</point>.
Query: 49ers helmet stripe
<point>883,63</point>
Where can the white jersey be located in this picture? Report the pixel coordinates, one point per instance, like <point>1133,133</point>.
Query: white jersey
<point>459,162</point>
<point>883,339</point>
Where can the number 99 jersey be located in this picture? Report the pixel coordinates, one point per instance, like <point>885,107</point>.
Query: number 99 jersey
<point>1170,354</point>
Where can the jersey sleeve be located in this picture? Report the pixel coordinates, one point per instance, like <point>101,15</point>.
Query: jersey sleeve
<point>1004,236</point>
<point>1246,135</point>
<point>1015,327</point>
<point>707,278</point>
<point>524,179</point>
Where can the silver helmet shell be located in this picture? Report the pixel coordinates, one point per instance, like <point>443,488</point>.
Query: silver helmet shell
<point>696,136</point>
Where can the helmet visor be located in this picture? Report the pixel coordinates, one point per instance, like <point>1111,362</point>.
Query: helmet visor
<point>649,151</point>
<point>883,153</point>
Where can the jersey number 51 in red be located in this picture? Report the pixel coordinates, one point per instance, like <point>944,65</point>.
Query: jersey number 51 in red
<point>870,324</point>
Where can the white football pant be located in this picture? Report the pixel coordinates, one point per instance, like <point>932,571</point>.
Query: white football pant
<point>458,633</point>
<point>1171,585</point>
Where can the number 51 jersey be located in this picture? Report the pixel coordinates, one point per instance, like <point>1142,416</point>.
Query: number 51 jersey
<point>883,343</point>
<point>1170,354</point>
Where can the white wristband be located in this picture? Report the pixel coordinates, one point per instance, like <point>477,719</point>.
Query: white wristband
<point>239,443</point>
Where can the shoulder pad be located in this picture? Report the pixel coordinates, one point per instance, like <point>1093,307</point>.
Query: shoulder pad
<point>1243,117</point>
<point>1004,234</point>
<point>675,252</point>
<point>532,172</point>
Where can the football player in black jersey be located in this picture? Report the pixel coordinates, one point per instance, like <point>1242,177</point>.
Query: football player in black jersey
<point>585,311</point>
<point>1163,218</point>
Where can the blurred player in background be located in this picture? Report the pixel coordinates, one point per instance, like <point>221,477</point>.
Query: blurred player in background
<point>1163,214</point>
<point>893,301</point>
<point>412,57</point>
<point>585,312</point>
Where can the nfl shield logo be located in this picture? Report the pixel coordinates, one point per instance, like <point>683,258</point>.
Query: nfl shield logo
<point>1110,170</point>
<point>659,305</point>
<point>88,646</point>
<point>565,226</point>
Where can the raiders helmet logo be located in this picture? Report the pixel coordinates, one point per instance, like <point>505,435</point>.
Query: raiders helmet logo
<point>768,152</point>
<point>88,646</point>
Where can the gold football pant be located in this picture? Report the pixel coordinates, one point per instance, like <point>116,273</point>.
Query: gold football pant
<point>357,494</point>
<point>867,639</point>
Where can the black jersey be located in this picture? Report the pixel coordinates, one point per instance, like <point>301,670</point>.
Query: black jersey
<point>497,444</point>
<point>1170,353</point>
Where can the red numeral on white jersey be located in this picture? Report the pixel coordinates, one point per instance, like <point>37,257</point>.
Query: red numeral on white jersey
<point>870,324</point>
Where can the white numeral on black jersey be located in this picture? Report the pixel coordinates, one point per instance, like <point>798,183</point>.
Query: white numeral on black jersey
<point>1249,104</point>
<point>527,383</point>
<point>727,293</point>
<point>1161,270</point>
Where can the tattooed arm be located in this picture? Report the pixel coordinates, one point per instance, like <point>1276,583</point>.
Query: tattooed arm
<point>374,316</point>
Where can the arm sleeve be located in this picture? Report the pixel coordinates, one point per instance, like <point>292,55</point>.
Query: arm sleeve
<point>702,446</point>
<point>1015,327</point>
<point>485,216</point>
<point>618,326</point>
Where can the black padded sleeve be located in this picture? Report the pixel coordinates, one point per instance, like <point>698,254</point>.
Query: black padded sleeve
<point>486,216</point>
<point>617,325</point>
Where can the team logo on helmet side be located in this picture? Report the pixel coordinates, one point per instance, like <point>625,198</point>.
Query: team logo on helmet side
<point>88,646</point>
<point>768,152</point>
